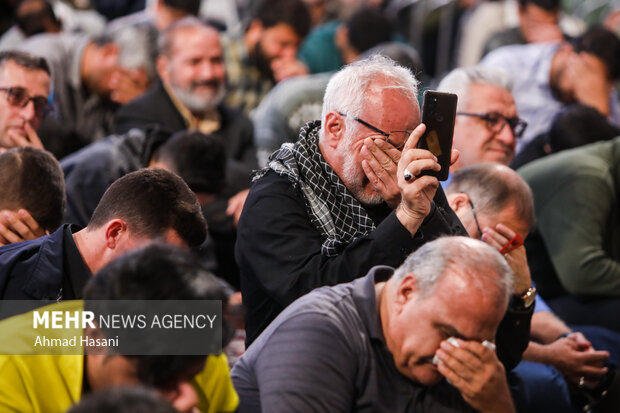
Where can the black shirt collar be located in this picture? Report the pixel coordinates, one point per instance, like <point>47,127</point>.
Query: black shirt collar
<point>76,271</point>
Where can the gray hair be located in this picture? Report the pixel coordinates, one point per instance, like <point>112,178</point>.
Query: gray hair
<point>347,89</point>
<point>466,256</point>
<point>137,46</point>
<point>492,188</point>
<point>166,38</point>
<point>460,80</point>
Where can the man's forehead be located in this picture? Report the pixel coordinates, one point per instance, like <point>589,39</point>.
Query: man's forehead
<point>15,75</point>
<point>204,35</point>
<point>484,97</point>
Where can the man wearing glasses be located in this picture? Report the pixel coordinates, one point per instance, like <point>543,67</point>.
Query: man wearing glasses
<point>24,91</point>
<point>336,203</point>
<point>487,125</point>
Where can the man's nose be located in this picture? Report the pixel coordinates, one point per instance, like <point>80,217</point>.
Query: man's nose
<point>28,112</point>
<point>506,136</point>
<point>289,51</point>
<point>206,71</point>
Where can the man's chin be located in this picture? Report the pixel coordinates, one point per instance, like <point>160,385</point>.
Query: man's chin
<point>498,157</point>
<point>426,375</point>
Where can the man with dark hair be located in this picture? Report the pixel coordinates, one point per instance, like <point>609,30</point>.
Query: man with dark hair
<point>23,79</point>
<point>32,194</point>
<point>52,383</point>
<point>123,400</point>
<point>91,77</point>
<point>138,208</point>
<point>266,53</point>
<point>32,17</point>
<point>546,76</point>
<point>332,45</point>
<point>385,342</point>
<point>538,23</point>
<point>197,158</point>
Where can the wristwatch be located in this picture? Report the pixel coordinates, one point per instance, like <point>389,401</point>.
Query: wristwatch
<point>524,301</point>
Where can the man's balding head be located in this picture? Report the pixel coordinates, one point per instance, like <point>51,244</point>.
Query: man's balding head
<point>451,287</point>
<point>498,195</point>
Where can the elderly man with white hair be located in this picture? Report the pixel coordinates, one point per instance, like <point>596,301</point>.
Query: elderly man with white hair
<point>336,203</point>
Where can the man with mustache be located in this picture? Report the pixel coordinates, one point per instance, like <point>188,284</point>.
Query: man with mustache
<point>266,52</point>
<point>487,125</point>
<point>386,341</point>
<point>189,96</point>
<point>24,79</point>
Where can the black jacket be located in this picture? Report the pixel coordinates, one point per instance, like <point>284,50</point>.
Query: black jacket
<point>49,267</point>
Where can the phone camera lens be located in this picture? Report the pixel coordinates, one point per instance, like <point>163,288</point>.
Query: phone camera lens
<point>439,118</point>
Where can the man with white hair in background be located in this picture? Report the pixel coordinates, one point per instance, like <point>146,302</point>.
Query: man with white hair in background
<point>487,125</point>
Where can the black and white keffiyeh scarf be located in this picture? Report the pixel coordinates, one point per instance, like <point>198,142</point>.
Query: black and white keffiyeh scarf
<point>338,215</point>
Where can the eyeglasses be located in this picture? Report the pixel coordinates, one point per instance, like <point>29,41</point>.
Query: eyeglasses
<point>18,96</point>
<point>473,212</point>
<point>391,137</point>
<point>495,122</point>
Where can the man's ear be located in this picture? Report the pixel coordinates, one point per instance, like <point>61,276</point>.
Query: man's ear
<point>115,230</point>
<point>162,68</point>
<point>335,128</point>
<point>406,290</point>
<point>458,201</point>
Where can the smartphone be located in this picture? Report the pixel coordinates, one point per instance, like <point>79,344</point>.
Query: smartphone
<point>438,114</point>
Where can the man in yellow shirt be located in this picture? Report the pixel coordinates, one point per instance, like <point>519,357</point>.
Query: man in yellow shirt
<point>52,383</point>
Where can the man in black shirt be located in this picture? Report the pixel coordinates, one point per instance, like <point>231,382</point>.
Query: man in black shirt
<point>332,205</point>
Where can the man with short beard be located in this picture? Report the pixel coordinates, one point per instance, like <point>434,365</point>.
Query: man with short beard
<point>335,203</point>
<point>266,52</point>
<point>189,96</point>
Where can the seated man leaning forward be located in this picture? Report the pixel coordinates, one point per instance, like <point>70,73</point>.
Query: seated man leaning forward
<point>146,205</point>
<point>32,194</point>
<point>329,207</point>
<point>385,342</point>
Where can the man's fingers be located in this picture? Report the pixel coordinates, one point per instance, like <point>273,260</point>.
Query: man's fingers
<point>377,159</point>
<point>9,235</point>
<point>17,140</point>
<point>415,136</point>
<point>390,150</point>
<point>35,230</point>
<point>17,226</point>
<point>493,238</point>
<point>416,167</point>
<point>3,241</point>
<point>454,156</point>
<point>32,136</point>
<point>372,176</point>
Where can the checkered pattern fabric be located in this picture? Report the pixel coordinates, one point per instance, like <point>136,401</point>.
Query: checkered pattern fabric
<point>336,213</point>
